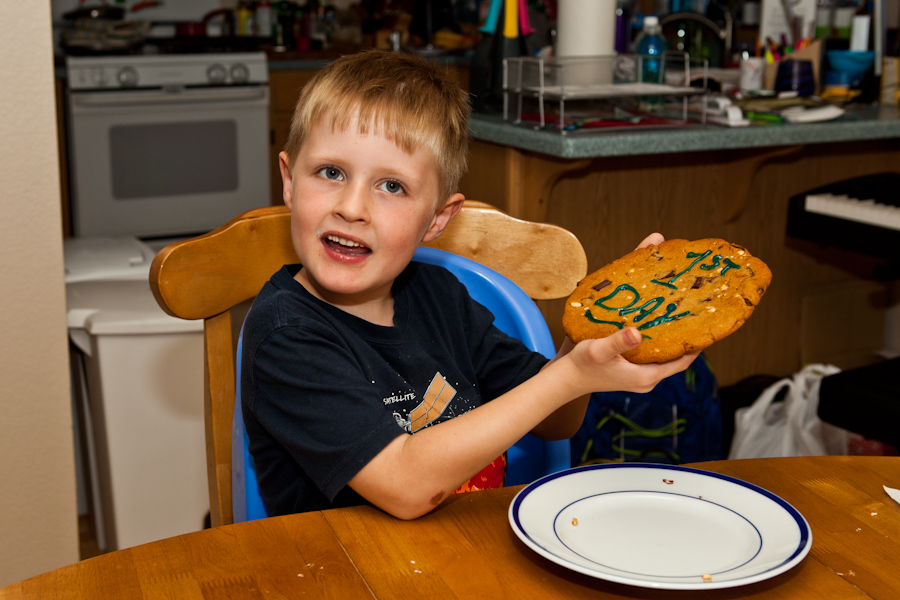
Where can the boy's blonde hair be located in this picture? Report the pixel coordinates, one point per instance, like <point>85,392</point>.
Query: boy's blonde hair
<point>409,100</point>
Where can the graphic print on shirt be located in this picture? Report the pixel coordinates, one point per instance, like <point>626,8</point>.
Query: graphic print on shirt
<point>436,400</point>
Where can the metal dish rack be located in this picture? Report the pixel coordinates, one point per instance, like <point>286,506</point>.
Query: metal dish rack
<point>562,80</point>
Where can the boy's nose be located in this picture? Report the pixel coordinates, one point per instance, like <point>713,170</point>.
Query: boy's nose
<point>353,204</point>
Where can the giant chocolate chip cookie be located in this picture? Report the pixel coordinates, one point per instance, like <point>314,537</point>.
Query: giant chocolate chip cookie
<point>681,295</point>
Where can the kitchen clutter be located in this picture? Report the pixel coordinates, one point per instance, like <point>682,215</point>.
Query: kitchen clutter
<point>763,57</point>
<point>847,68</point>
<point>120,27</point>
<point>795,76</point>
<point>721,32</point>
<point>102,29</point>
<point>818,58</point>
<point>285,27</point>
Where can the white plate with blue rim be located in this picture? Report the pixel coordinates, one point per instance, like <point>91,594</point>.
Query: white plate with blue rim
<point>660,526</point>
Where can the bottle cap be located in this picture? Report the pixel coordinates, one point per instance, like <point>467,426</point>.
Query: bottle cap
<point>651,20</point>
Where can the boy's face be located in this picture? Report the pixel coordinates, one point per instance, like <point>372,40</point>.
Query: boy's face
<point>359,208</point>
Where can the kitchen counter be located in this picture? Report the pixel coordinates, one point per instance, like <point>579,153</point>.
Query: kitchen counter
<point>613,188</point>
<point>860,123</point>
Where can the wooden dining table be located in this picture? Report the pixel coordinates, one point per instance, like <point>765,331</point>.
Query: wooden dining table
<point>466,548</point>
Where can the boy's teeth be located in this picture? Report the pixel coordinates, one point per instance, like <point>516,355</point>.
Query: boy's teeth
<point>343,242</point>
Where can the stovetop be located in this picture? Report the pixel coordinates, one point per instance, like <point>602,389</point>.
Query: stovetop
<point>153,70</point>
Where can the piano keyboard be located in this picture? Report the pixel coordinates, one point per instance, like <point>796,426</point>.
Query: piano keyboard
<point>869,212</point>
<point>861,215</point>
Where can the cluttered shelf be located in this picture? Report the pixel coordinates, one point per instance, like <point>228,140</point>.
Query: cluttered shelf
<point>858,124</point>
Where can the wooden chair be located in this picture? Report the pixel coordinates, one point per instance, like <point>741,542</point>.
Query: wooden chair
<point>211,277</point>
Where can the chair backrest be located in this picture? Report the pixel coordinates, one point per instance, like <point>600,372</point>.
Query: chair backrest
<point>210,276</point>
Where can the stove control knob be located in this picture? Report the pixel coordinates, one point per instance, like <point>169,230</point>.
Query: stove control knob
<point>127,77</point>
<point>240,73</point>
<point>99,76</point>
<point>216,74</point>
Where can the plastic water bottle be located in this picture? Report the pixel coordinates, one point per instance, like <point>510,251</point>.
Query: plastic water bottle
<point>651,44</point>
<point>651,47</point>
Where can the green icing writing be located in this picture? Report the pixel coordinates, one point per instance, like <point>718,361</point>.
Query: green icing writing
<point>698,257</point>
<point>729,265</point>
<point>664,318</point>
<point>668,285</point>
<point>715,263</point>
<point>593,319</point>
<point>623,287</point>
<point>643,310</point>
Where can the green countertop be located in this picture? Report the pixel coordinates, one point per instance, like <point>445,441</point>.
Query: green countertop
<point>860,123</point>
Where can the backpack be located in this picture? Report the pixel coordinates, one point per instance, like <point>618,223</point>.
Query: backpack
<point>680,421</point>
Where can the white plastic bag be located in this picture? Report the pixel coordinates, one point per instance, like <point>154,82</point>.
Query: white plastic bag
<point>789,427</point>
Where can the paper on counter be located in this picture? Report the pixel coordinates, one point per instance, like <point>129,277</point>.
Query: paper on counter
<point>895,494</point>
<point>774,20</point>
<point>803,114</point>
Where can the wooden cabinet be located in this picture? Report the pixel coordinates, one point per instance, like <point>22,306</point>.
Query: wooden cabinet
<point>284,88</point>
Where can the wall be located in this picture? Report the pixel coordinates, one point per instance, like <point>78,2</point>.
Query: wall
<point>38,517</point>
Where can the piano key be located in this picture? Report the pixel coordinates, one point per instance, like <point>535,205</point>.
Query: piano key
<point>876,197</point>
<point>852,209</point>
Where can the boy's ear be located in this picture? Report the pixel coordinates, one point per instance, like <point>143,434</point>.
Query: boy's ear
<point>443,217</point>
<point>287,179</point>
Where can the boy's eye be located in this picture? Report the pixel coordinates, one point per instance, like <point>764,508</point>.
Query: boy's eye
<point>331,173</point>
<point>392,187</point>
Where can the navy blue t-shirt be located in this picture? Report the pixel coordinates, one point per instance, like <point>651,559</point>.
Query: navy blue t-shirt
<point>323,391</point>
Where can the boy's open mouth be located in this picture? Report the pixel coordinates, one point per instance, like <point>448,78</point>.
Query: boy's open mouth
<point>345,246</point>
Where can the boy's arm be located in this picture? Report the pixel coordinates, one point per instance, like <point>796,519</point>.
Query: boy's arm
<point>414,473</point>
<point>564,422</point>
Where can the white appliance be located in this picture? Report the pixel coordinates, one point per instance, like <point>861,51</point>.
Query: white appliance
<point>160,146</point>
<point>138,376</point>
<point>164,145</point>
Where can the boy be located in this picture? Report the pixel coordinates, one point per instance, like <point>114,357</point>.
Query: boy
<point>368,377</point>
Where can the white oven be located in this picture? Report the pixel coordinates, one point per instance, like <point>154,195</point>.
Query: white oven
<point>166,145</point>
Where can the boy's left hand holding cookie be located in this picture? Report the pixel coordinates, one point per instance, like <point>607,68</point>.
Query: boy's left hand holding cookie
<point>598,365</point>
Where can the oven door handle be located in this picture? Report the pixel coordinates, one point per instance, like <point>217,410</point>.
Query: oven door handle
<point>168,97</point>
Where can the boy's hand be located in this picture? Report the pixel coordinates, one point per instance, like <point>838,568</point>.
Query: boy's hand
<point>654,239</point>
<point>600,366</point>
